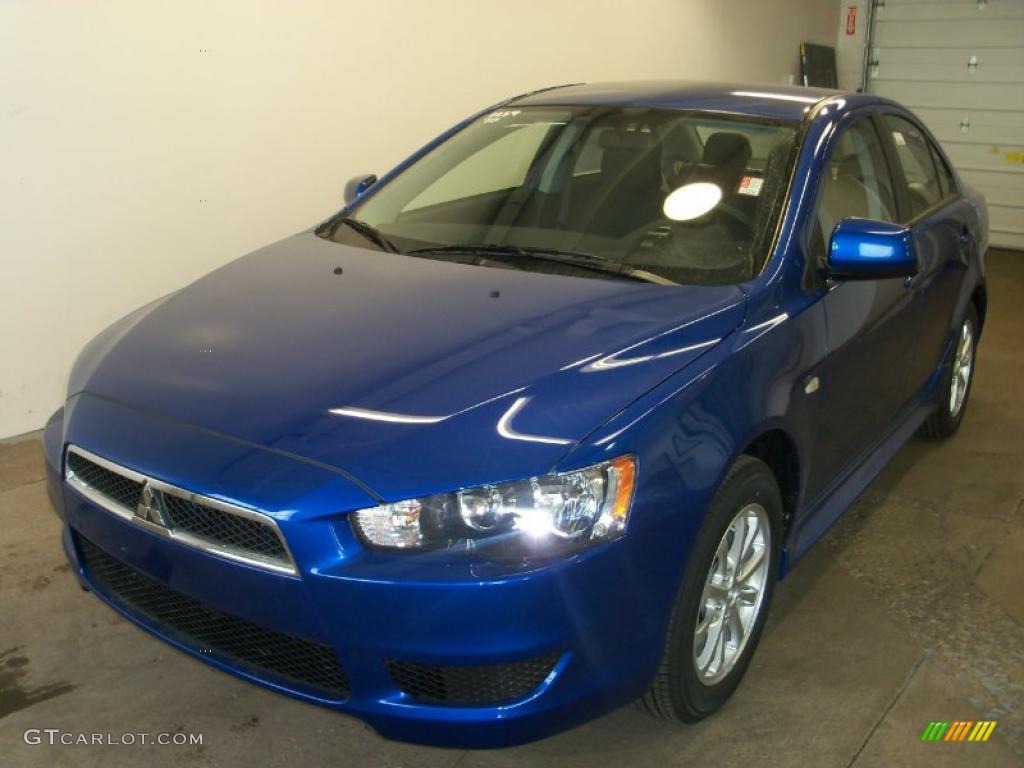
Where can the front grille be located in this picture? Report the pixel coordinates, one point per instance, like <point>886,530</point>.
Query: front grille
<point>232,531</point>
<point>474,685</point>
<point>263,652</point>
<point>210,525</point>
<point>118,488</point>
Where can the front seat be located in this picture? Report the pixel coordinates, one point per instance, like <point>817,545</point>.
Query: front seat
<point>723,163</point>
<point>630,192</point>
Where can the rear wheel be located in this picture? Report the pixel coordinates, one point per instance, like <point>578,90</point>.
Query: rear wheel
<point>722,604</point>
<point>957,382</point>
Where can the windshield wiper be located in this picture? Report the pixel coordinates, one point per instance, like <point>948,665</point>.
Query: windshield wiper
<point>485,249</point>
<point>597,264</point>
<point>585,261</point>
<point>370,232</point>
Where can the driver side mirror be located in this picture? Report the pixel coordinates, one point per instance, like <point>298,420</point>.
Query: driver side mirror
<point>357,185</point>
<point>861,249</point>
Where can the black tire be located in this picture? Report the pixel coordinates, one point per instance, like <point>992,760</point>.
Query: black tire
<point>944,422</point>
<point>677,693</point>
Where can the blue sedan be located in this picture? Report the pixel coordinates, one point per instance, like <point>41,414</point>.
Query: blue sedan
<point>532,427</point>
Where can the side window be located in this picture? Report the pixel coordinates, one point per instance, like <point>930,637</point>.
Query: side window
<point>917,160</point>
<point>856,183</point>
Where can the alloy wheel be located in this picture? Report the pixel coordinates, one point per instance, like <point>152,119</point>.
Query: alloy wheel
<point>962,363</point>
<point>733,594</point>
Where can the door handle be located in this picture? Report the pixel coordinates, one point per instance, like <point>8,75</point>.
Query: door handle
<point>966,244</point>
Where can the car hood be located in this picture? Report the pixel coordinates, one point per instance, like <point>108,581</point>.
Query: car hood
<point>411,375</point>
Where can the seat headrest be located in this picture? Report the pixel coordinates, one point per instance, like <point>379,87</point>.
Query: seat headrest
<point>723,161</point>
<point>726,149</point>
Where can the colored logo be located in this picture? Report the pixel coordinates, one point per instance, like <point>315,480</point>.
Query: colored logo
<point>959,730</point>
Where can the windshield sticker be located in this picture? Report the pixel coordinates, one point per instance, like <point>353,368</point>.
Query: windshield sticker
<point>750,185</point>
<point>898,138</point>
<point>501,114</point>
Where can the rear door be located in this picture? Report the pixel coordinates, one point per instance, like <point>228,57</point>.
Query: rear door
<point>943,227</point>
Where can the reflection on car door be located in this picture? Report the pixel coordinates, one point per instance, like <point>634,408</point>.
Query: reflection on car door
<point>871,324</point>
<point>941,224</point>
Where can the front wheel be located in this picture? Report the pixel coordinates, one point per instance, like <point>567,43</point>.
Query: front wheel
<point>723,602</point>
<point>957,382</point>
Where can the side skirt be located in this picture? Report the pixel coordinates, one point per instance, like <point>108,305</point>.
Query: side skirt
<point>818,519</point>
<point>813,523</point>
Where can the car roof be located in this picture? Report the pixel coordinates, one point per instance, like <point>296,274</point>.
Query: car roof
<point>778,102</point>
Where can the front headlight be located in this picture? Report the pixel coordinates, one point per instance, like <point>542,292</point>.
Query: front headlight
<point>537,517</point>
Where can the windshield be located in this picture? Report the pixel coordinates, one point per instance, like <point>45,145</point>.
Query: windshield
<point>690,197</point>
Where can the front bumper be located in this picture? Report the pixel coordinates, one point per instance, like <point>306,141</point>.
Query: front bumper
<point>597,620</point>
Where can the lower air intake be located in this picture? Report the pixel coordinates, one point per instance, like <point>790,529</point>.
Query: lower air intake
<point>264,653</point>
<point>479,685</point>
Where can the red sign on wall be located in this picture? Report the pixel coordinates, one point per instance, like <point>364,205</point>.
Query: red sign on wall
<point>851,20</point>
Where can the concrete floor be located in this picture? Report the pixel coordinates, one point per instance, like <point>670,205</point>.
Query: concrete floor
<point>911,610</point>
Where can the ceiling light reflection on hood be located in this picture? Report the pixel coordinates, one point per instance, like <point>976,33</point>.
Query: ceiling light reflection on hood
<point>392,418</point>
<point>506,430</point>
<point>691,201</point>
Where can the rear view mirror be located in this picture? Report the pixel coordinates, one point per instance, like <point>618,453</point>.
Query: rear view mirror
<point>861,249</point>
<point>357,185</point>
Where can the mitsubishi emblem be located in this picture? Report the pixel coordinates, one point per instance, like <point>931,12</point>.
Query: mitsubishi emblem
<point>151,507</point>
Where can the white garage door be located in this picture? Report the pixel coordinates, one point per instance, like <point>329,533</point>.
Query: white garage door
<point>959,65</point>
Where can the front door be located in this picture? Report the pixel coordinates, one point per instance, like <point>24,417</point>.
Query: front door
<point>871,324</point>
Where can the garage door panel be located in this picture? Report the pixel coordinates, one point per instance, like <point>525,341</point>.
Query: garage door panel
<point>987,157</point>
<point>1004,222</point>
<point>1015,242</point>
<point>978,126</point>
<point>930,34</point>
<point>895,64</point>
<point>1009,185</point>
<point>952,56</point>
<point>998,188</point>
<point>990,65</point>
<point>957,95</point>
<point>1006,218</point>
<point>959,65</point>
<point>1007,240</point>
<point>955,10</point>
<point>954,73</point>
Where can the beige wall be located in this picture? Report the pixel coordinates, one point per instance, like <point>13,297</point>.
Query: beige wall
<point>143,144</point>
